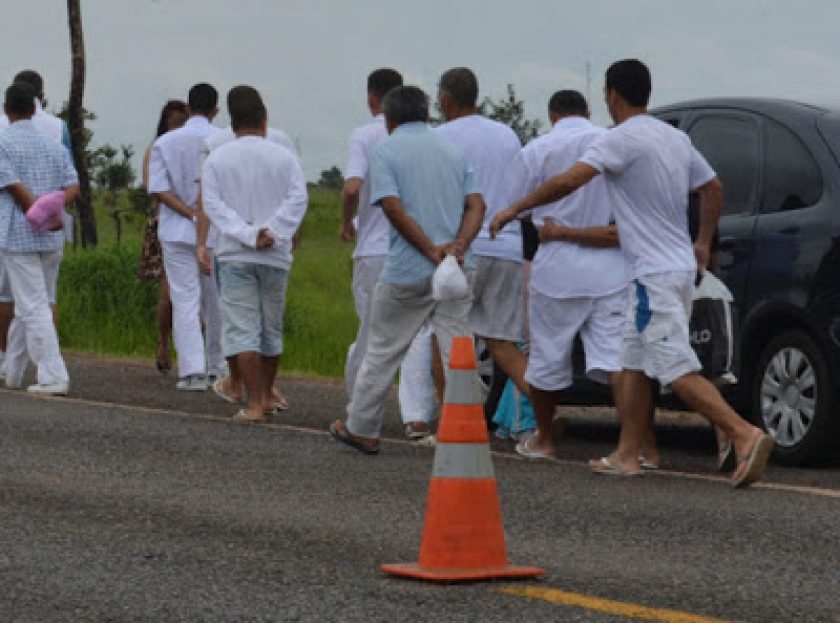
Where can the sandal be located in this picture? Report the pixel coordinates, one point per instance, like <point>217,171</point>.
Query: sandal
<point>523,448</point>
<point>342,435</point>
<point>242,416</point>
<point>605,466</point>
<point>726,458</point>
<point>751,467</point>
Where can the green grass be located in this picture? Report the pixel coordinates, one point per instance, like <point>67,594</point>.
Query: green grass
<point>104,309</point>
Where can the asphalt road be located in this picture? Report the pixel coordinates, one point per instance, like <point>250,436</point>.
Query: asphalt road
<point>131,502</point>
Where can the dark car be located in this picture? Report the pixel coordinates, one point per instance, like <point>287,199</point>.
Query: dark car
<point>779,253</point>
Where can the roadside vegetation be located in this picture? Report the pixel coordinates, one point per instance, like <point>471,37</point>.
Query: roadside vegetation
<point>105,309</point>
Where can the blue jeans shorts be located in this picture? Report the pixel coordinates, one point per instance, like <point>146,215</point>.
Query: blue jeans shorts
<point>253,301</point>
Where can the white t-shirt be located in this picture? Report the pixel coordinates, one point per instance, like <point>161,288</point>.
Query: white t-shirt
<point>173,167</point>
<point>567,269</point>
<point>490,147</point>
<point>650,167</point>
<point>372,227</point>
<point>222,137</point>
<point>248,184</point>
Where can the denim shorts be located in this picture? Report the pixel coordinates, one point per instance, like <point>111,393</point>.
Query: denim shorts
<point>253,301</point>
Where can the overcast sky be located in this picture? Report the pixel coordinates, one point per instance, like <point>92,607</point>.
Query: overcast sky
<point>310,58</point>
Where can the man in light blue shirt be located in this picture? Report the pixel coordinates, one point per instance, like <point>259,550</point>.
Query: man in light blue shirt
<point>428,193</point>
<point>32,165</point>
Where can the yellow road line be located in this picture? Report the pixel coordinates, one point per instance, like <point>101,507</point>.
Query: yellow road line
<point>607,606</point>
<point>772,486</point>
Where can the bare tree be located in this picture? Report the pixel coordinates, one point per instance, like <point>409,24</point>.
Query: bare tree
<point>76,122</point>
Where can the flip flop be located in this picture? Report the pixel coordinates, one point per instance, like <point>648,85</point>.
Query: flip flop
<point>751,467</point>
<point>607,467</point>
<point>281,405</point>
<point>242,416</point>
<point>219,390</point>
<point>523,448</point>
<point>648,465</point>
<point>344,436</point>
<point>727,461</point>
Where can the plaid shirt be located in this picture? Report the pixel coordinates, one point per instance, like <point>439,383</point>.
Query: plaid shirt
<point>43,166</point>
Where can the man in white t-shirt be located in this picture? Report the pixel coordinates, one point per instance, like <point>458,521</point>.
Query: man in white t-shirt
<point>173,182</point>
<point>649,168</point>
<point>230,388</point>
<point>490,147</point>
<point>254,192</point>
<point>578,277</point>
<point>15,346</point>
<point>367,225</point>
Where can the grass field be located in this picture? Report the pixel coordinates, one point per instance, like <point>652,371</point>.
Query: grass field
<point>103,308</point>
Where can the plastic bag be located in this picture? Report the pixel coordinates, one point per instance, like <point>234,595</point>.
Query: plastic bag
<point>449,282</point>
<point>712,329</point>
<point>46,208</point>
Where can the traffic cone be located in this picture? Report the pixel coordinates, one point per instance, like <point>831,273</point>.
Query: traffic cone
<point>463,538</point>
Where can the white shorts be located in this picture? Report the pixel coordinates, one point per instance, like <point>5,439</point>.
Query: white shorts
<point>555,323</point>
<point>498,309</point>
<point>656,337</point>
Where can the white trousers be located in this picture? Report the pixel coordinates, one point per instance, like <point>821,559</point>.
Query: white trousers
<point>398,314</point>
<point>33,278</point>
<point>195,297</point>
<point>416,390</point>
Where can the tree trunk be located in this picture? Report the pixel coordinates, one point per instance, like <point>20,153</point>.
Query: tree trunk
<point>76,122</point>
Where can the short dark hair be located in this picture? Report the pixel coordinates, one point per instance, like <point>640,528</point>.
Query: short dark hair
<point>406,104</point>
<point>568,102</point>
<point>246,108</point>
<point>20,99</point>
<point>203,99</point>
<point>33,78</point>
<point>461,85</point>
<point>381,81</point>
<point>630,78</point>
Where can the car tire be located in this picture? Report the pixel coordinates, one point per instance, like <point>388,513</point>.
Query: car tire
<point>793,397</point>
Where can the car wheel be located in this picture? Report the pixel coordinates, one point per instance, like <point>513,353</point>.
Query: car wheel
<point>793,397</point>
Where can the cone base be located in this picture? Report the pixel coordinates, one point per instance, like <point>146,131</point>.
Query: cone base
<point>413,570</point>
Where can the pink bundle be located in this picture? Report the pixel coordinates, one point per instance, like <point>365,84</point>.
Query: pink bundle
<point>45,210</point>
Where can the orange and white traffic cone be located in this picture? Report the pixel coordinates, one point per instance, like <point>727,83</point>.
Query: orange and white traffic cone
<point>463,538</point>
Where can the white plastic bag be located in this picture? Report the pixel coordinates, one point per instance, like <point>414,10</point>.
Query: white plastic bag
<point>712,330</point>
<point>449,282</point>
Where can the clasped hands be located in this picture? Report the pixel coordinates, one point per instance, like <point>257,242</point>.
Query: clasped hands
<point>438,252</point>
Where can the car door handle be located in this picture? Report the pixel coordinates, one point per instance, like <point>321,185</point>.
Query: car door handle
<point>728,242</point>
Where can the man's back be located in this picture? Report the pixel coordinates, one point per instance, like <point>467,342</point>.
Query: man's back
<point>43,166</point>
<point>650,167</point>
<point>490,148</point>
<point>174,168</point>
<point>257,179</point>
<point>565,269</point>
<point>373,227</point>
<point>431,178</point>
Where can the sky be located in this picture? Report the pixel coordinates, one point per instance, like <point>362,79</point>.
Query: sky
<point>310,58</point>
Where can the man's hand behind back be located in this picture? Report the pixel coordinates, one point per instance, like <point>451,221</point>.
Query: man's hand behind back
<point>265,239</point>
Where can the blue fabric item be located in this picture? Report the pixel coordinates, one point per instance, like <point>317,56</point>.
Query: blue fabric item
<point>514,413</point>
<point>643,307</point>
<point>43,166</point>
<point>65,138</point>
<point>431,178</point>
